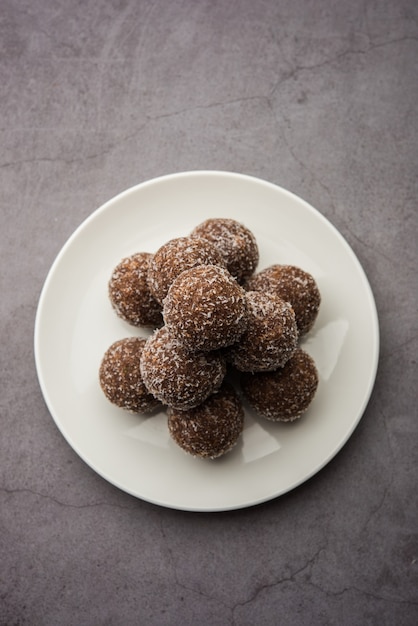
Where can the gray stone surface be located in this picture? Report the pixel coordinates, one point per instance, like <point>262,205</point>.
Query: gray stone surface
<point>319,97</point>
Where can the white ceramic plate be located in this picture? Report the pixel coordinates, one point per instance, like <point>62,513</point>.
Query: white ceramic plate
<point>75,324</point>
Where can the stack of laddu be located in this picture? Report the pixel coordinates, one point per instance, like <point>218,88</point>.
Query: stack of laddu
<point>211,314</point>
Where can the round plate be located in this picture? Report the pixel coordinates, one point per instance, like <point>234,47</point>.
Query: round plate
<point>75,324</point>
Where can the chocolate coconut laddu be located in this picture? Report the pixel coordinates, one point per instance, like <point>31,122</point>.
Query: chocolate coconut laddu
<point>177,377</point>
<point>235,242</point>
<point>270,337</point>
<point>212,428</point>
<point>129,293</point>
<point>175,256</point>
<point>285,393</point>
<point>205,308</point>
<point>121,379</point>
<point>208,308</point>
<point>294,285</point>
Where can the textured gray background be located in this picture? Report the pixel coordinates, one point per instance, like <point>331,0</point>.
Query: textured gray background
<point>317,96</point>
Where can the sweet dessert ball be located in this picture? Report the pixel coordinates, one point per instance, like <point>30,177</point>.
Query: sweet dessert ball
<point>178,255</point>
<point>286,393</point>
<point>293,285</point>
<point>210,429</point>
<point>205,308</point>
<point>120,376</point>
<point>129,292</point>
<point>235,242</point>
<point>271,335</point>
<point>176,377</point>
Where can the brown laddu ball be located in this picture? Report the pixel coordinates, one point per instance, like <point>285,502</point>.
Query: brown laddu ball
<point>283,394</point>
<point>211,429</point>
<point>129,293</point>
<point>294,285</point>
<point>205,308</point>
<point>174,257</point>
<point>176,377</point>
<point>120,376</point>
<point>235,242</point>
<point>271,335</point>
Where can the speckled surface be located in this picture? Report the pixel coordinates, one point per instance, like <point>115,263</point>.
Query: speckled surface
<point>319,97</point>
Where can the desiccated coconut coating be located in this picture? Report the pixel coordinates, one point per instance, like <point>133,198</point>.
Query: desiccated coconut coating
<point>286,393</point>
<point>177,377</point>
<point>129,292</point>
<point>235,242</point>
<point>205,308</point>
<point>271,335</point>
<point>212,428</point>
<point>120,376</point>
<point>293,285</point>
<point>174,257</point>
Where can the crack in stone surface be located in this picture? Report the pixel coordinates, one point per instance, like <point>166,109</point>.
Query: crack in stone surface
<point>178,583</point>
<point>303,165</point>
<point>53,160</point>
<point>337,57</point>
<point>124,138</point>
<point>210,105</point>
<point>393,260</point>
<point>363,592</point>
<point>399,348</point>
<point>327,592</point>
<point>276,583</point>
<point>46,496</point>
